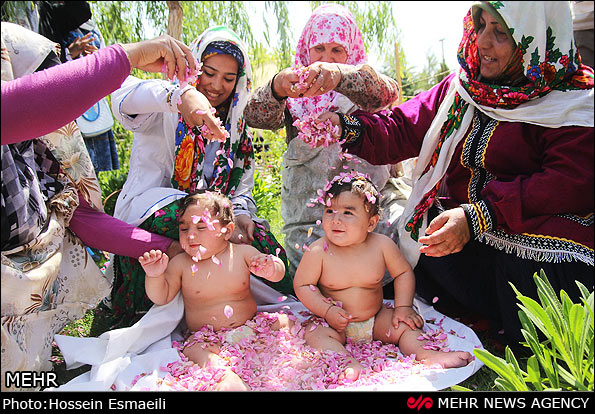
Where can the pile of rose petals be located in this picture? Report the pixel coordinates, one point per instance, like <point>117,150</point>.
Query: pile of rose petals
<point>276,360</point>
<point>316,133</point>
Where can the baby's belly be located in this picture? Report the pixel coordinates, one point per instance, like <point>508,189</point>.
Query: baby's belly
<point>360,303</point>
<point>229,314</point>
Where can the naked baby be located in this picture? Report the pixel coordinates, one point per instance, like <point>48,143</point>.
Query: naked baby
<point>339,279</point>
<point>214,277</point>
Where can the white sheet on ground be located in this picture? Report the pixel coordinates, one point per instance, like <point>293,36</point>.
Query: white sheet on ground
<point>118,357</point>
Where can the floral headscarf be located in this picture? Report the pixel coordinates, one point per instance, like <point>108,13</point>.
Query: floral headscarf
<point>549,58</point>
<point>558,91</point>
<point>329,23</point>
<point>235,155</point>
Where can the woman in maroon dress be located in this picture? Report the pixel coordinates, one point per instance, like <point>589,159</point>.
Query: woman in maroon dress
<point>503,187</point>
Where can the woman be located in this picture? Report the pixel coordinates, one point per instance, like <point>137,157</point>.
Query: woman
<point>51,203</point>
<point>162,172</point>
<point>505,170</point>
<point>332,50</point>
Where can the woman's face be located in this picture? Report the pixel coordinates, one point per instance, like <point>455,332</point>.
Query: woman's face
<point>218,79</point>
<point>328,52</point>
<point>494,47</point>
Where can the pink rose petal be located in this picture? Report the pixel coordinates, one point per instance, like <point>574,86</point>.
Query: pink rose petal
<point>228,311</point>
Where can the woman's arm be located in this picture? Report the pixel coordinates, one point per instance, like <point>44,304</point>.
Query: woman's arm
<point>263,110</point>
<point>393,136</point>
<point>369,90</point>
<point>55,96</point>
<point>104,232</point>
<point>59,95</point>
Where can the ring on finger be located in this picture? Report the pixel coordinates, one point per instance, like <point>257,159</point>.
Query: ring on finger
<point>321,89</point>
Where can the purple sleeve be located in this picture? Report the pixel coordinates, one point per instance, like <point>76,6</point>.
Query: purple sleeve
<point>101,231</point>
<point>389,139</point>
<point>44,101</point>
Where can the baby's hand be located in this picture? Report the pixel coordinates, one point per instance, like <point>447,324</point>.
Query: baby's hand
<point>262,265</point>
<point>154,263</point>
<point>337,318</point>
<point>407,315</point>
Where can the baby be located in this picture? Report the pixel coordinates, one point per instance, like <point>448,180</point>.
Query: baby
<point>340,280</point>
<point>214,276</point>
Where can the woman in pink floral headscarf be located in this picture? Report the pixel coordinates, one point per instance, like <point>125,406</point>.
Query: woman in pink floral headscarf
<point>334,76</point>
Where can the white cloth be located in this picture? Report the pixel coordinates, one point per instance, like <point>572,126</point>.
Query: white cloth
<point>119,356</point>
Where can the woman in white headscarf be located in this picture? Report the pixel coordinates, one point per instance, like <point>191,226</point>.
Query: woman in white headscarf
<point>172,156</point>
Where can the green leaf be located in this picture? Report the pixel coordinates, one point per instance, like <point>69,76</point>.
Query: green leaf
<point>502,368</point>
<point>534,373</point>
<point>459,388</point>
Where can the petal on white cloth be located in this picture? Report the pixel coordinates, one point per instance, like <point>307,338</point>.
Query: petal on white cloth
<point>131,358</point>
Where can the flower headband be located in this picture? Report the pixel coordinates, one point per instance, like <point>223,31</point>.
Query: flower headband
<point>360,182</point>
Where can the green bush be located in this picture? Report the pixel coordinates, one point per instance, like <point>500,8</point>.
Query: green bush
<point>564,359</point>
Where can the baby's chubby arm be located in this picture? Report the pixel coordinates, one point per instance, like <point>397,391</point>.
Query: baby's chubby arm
<point>404,285</point>
<point>263,265</point>
<point>163,278</point>
<point>305,286</point>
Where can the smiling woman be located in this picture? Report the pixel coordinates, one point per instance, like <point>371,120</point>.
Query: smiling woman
<point>184,159</point>
<point>219,75</point>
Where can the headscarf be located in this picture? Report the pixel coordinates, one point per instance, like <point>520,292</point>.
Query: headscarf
<point>329,23</point>
<point>235,154</point>
<point>558,91</point>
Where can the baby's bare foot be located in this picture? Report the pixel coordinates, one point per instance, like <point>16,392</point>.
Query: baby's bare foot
<point>352,371</point>
<point>454,359</point>
<point>231,382</point>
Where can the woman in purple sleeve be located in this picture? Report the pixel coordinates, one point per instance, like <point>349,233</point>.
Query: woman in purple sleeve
<point>503,186</point>
<point>51,201</point>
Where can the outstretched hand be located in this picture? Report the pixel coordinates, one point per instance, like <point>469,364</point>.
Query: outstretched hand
<point>197,111</point>
<point>313,80</point>
<point>446,234</point>
<point>82,46</point>
<point>154,263</point>
<point>262,265</point>
<point>151,56</point>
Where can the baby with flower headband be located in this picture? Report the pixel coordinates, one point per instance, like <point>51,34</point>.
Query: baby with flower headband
<point>339,280</point>
<point>213,275</point>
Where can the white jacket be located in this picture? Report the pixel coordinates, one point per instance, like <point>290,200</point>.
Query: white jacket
<point>148,108</point>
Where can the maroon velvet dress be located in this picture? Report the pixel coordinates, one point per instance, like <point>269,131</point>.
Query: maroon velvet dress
<point>533,186</point>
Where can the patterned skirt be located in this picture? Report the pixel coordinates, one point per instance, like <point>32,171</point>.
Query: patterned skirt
<point>129,301</point>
